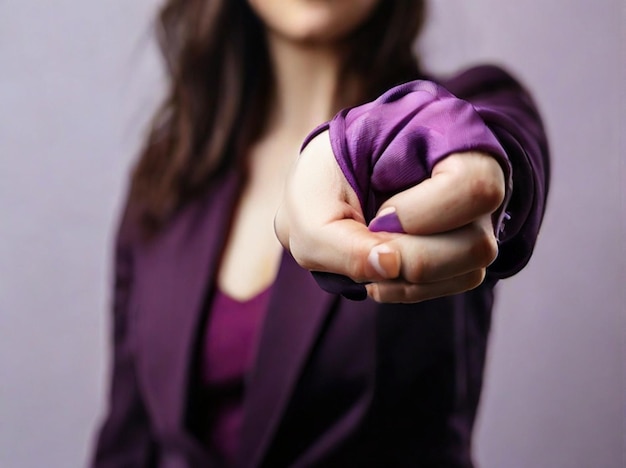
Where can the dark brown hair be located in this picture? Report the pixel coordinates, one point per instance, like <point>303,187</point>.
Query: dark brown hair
<point>218,68</point>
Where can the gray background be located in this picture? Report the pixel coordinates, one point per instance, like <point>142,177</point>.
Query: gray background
<point>78,81</point>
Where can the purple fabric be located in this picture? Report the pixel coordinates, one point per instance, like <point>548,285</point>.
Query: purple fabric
<point>227,355</point>
<point>393,143</point>
<point>340,284</point>
<point>376,384</point>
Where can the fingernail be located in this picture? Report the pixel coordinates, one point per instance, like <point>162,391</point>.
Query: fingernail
<point>385,261</point>
<point>387,220</point>
<point>372,291</point>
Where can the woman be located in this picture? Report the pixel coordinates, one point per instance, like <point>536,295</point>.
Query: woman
<point>226,350</point>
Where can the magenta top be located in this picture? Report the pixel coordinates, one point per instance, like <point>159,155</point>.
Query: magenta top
<point>228,352</point>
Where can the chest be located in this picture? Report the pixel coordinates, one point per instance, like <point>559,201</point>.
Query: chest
<point>251,252</point>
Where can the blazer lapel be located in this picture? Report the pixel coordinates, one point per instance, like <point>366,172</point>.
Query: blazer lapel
<point>171,290</point>
<point>290,329</point>
<point>172,287</point>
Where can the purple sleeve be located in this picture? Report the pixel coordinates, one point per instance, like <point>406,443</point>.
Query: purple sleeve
<point>393,143</point>
<point>125,436</point>
<point>509,111</point>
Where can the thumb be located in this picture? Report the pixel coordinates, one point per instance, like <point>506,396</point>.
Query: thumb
<point>320,221</point>
<point>347,247</point>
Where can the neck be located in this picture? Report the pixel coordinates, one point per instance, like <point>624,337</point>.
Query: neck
<point>306,82</point>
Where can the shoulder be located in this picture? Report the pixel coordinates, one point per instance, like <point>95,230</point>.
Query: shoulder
<point>128,229</point>
<point>471,84</point>
<point>486,75</point>
<point>482,78</point>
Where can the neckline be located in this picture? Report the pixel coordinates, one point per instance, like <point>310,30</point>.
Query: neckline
<point>256,297</point>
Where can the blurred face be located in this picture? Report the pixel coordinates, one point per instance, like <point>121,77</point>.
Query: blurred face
<point>313,21</point>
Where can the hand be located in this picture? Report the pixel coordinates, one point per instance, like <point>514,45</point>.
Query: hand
<point>448,241</point>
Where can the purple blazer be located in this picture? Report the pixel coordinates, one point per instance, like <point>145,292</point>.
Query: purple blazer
<point>336,383</point>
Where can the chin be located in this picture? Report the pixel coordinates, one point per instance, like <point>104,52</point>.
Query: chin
<point>313,21</point>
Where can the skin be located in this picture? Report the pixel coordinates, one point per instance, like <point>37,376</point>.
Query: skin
<point>313,22</point>
<point>449,241</point>
<point>306,65</point>
<point>449,238</point>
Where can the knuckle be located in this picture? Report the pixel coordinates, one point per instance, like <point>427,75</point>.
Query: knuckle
<point>356,270</point>
<point>485,248</point>
<point>416,270</point>
<point>488,192</point>
<point>413,294</point>
<point>476,278</point>
<point>357,262</point>
<point>397,292</point>
<point>403,293</point>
